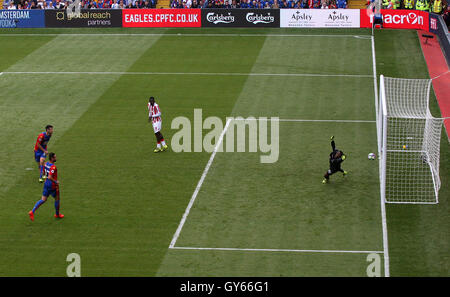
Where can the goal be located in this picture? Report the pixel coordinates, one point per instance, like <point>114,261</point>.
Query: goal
<point>408,142</point>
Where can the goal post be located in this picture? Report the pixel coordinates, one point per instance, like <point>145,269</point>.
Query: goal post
<point>408,142</point>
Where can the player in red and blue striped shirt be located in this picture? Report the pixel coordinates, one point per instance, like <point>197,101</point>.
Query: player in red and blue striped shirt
<point>51,187</point>
<point>40,149</point>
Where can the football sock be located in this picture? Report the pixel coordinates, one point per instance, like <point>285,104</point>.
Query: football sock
<point>158,145</point>
<point>163,142</point>
<point>41,168</point>
<point>57,207</point>
<point>36,206</point>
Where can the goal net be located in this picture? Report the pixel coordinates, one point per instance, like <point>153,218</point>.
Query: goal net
<point>408,142</point>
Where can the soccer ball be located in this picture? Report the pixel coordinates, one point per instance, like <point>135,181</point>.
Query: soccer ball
<point>371,156</point>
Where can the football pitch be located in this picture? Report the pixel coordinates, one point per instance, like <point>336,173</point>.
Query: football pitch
<point>131,212</point>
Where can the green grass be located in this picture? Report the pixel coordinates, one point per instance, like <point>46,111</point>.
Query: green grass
<point>123,203</point>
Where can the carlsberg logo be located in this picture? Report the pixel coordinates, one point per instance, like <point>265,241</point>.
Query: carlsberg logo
<point>254,18</point>
<point>216,18</point>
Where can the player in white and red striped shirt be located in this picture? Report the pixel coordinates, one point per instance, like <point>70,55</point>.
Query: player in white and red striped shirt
<point>154,116</point>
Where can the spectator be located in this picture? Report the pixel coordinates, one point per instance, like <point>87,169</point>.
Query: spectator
<point>194,4</point>
<point>11,5</point>
<point>437,7</point>
<point>324,4</point>
<point>316,4</point>
<point>341,3</point>
<point>408,4</point>
<point>234,4</point>
<point>332,4</point>
<point>58,4</point>
<point>446,16</point>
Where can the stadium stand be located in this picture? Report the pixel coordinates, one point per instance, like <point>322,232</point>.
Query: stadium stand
<point>163,4</point>
<point>357,4</point>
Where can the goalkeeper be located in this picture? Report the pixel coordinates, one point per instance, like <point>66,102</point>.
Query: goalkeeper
<point>336,158</point>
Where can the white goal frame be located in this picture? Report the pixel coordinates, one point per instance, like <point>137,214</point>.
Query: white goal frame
<point>408,174</point>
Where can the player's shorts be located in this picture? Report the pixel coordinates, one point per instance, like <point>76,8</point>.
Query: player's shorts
<point>49,191</point>
<point>333,170</point>
<point>38,155</point>
<point>157,126</point>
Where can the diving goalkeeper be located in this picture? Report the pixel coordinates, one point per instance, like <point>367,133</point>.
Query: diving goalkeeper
<point>336,158</point>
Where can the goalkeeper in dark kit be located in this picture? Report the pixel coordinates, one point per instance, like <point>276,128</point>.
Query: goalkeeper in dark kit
<point>336,158</point>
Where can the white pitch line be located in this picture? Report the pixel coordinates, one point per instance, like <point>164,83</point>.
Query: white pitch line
<point>436,77</point>
<point>1,73</point>
<point>277,250</point>
<point>190,73</point>
<point>184,35</point>
<point>334,121</point>
<point>383,206</point>
<point>199,185</point>
<point>303,120</point>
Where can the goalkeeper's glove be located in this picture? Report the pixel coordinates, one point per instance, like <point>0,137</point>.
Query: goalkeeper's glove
<point>343,157</point>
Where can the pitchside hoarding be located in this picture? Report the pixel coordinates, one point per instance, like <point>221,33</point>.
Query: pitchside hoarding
<point>241,18</point>
<point>86,18</point>
<point>319,18</point>
<point>437,26</point>
<point>398,19</point>
<point>22,19</point>
<point>161,18</point>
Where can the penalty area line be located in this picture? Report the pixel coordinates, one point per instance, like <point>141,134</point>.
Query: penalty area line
<point>189,73</point>
<point>199,185</point>
<point>276,250</point>
<point>301,120</point>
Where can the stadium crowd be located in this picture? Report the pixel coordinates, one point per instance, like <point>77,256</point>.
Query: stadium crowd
<point>323,4</point>
<point>436,6</point>
<point>85,4</point>
<point>121,4</point>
